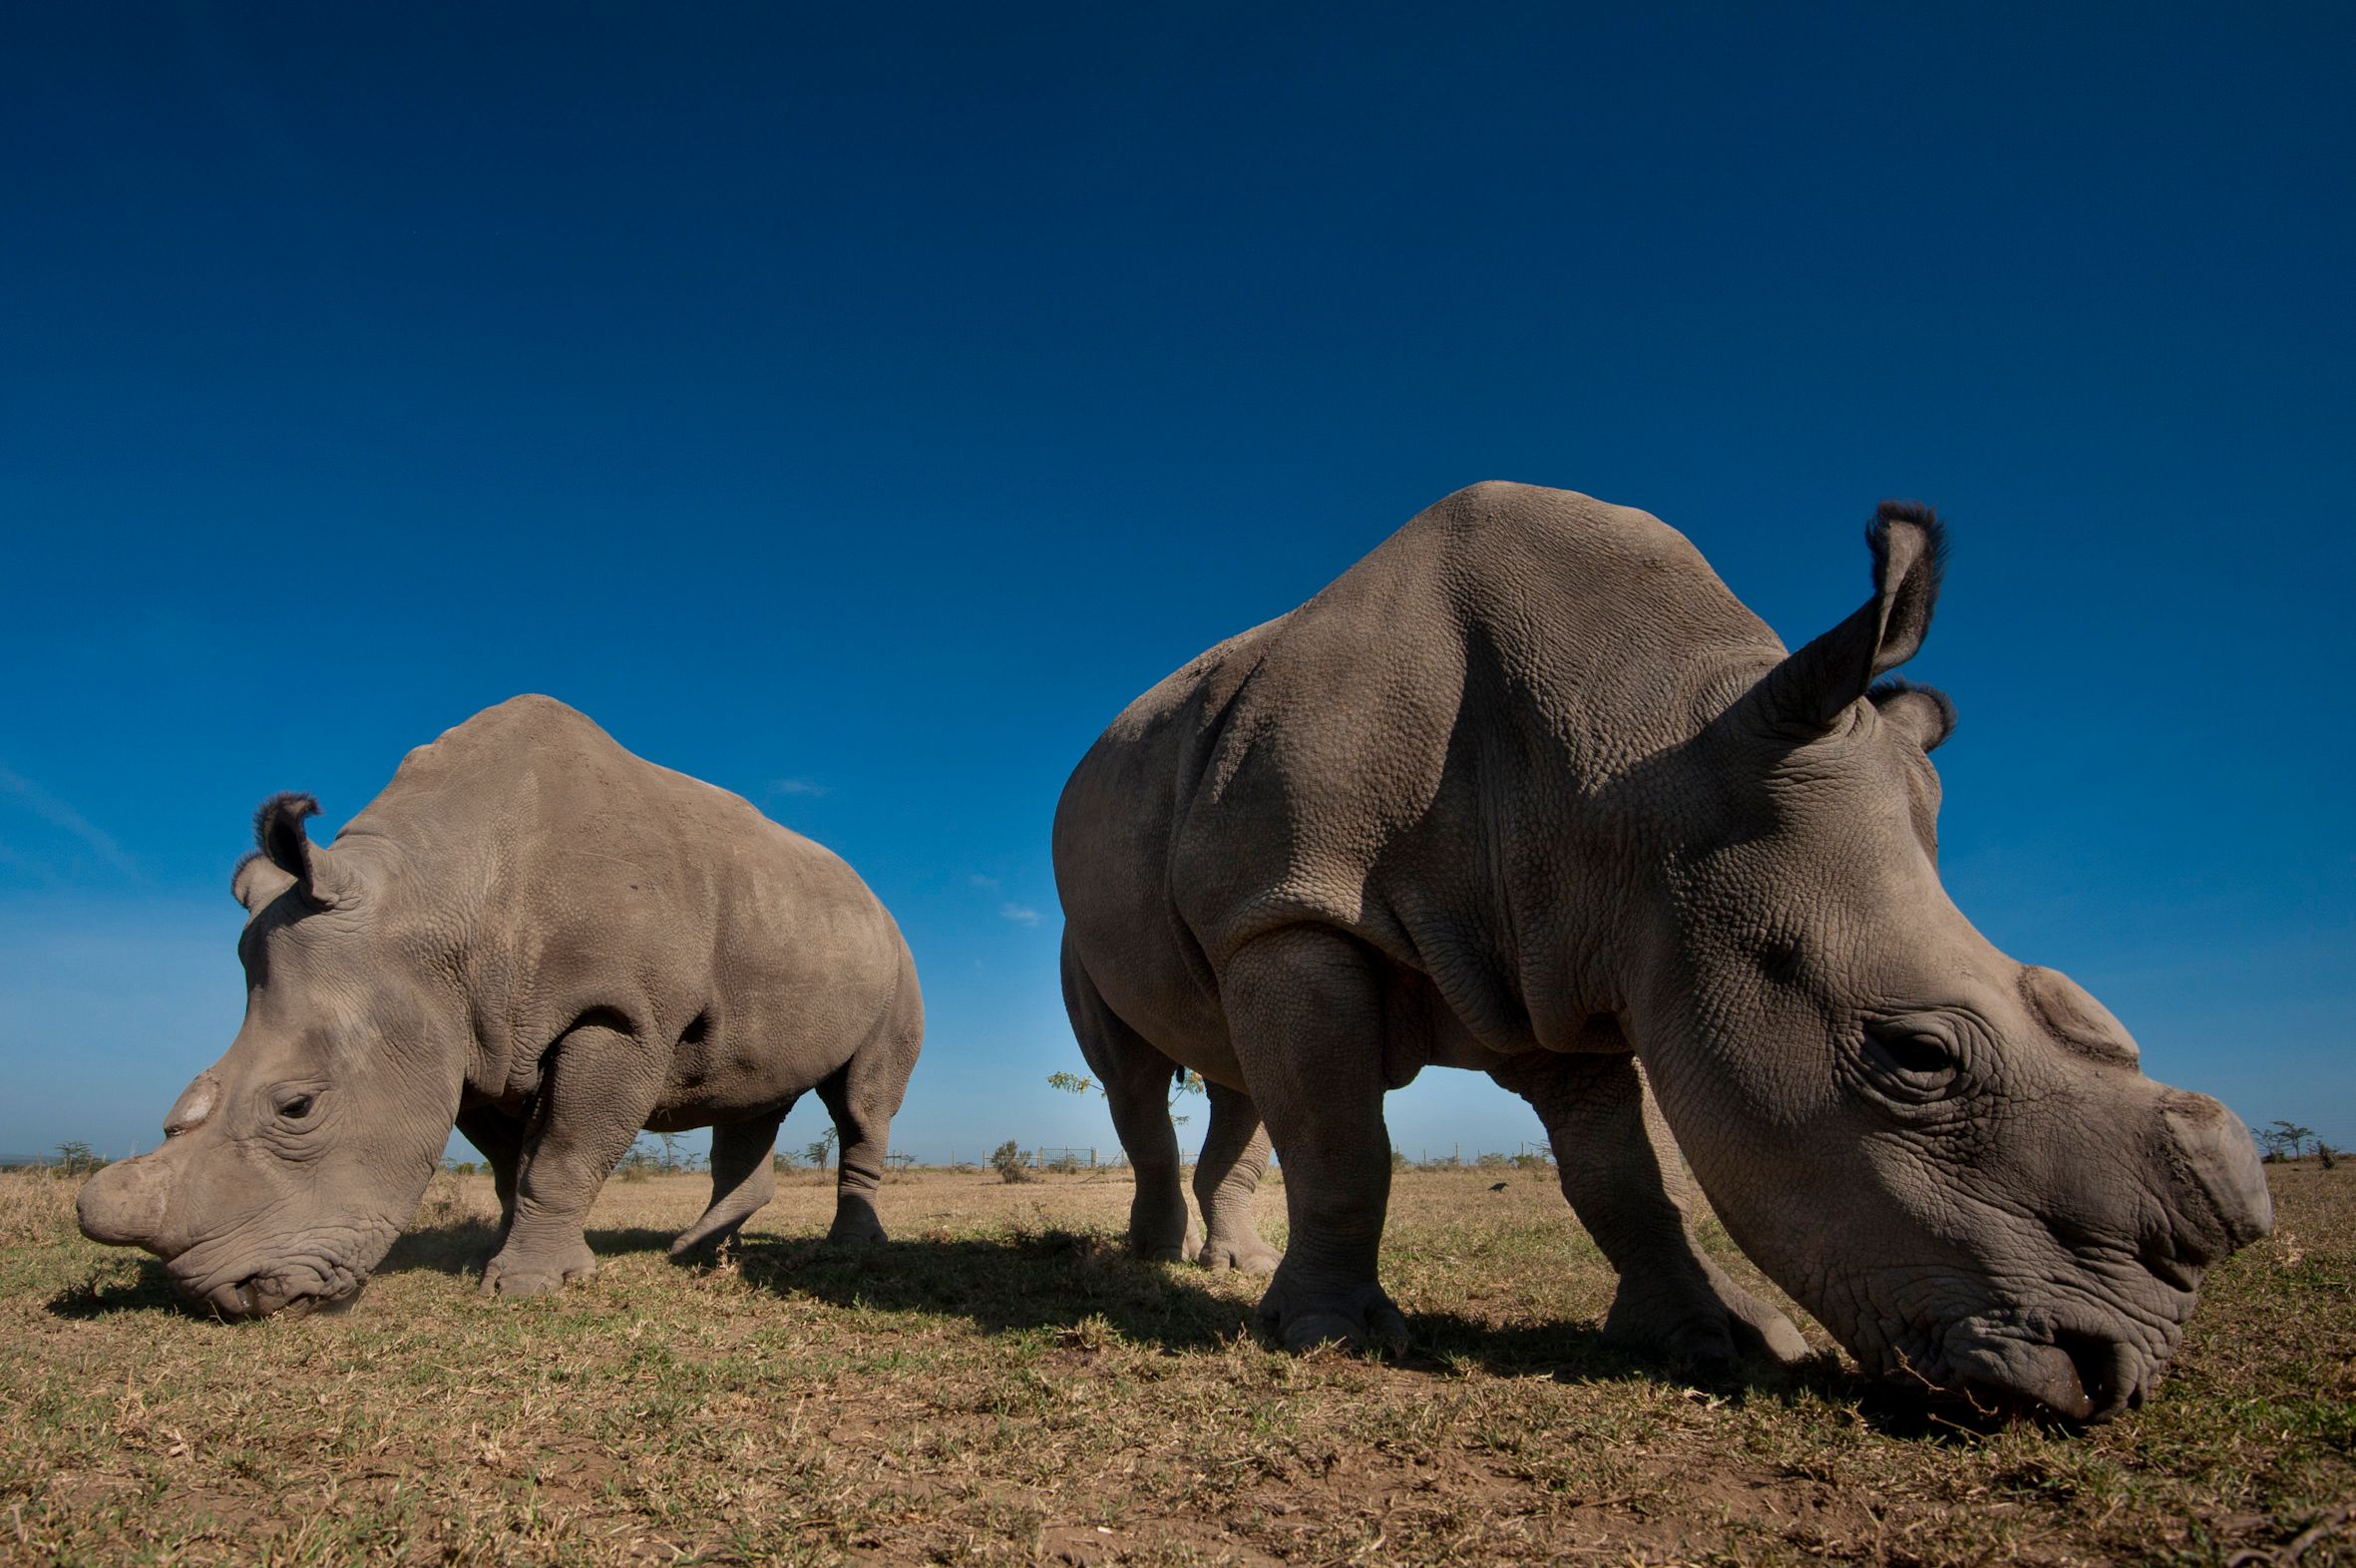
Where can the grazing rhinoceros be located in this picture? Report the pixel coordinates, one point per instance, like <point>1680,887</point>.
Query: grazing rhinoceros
<point>1526,790</point>
<point>552,943</point>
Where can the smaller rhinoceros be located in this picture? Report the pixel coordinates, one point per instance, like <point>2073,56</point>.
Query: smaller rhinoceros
<point>552,944</point>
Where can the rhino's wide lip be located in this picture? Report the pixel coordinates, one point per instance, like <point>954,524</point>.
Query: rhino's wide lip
<point>2081,1367</point>
<point>2079,1377</point>
<point>272,1294</point>
<point>239,1285</point>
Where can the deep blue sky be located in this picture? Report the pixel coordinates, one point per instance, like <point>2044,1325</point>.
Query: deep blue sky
<point>857,408</point>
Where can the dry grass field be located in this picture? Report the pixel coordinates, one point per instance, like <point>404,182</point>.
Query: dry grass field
<point>1000,1384</point>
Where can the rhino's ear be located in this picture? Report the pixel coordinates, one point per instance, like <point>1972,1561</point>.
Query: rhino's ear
<point>1812,687</point>
<point>1923,715</point>
<point>289,854</point>
<point>256,883</point>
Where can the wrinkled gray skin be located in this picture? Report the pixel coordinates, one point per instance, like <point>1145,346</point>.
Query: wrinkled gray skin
<point>552,943</point>
<point>1527,791</point>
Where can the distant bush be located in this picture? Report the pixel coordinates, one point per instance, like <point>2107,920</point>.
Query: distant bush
<point>1011,1164</point>
<point>1493,1161</point>
<point>1531,1161</point>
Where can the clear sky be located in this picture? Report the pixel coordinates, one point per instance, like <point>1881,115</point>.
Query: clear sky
<point>857,407</point>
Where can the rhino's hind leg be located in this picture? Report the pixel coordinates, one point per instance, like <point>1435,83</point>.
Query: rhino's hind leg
<point>744,1177</point>
<point>1620,1172</point>
<point>1136,1079</point>
<point>1226,1177</point>
<point>599,1089</point>
<point>862,1095</point>
<point>1304,1011</point>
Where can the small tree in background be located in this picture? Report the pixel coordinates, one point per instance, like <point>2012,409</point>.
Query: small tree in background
<point>819,1149</point>
<point>2293,1136</point>
<point>76,1159</point>
<point>1011,1164</point>
<point>782,1161</point>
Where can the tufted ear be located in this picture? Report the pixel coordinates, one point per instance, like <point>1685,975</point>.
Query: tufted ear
<point>284,856</point>
<point>1923,715</point>
<point>1804,696</point>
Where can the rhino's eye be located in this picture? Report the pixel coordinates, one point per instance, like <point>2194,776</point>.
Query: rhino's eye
<point>296,1107</point>
<point>1913,1057</point>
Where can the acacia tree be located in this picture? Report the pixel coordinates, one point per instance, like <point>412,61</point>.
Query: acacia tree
<point>2294,1137</point>
<point>74,1158</point>
<point>819,1149</point>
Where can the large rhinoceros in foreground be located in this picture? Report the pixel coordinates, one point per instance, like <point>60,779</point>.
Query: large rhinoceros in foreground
<point>1526,790</point>
<point>552,944</point>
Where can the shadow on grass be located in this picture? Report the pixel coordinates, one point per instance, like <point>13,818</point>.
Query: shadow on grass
<point>458,1248</point>
<point>1575,1353</point>
<point>1002,1284</point>
<point>148,1289</point>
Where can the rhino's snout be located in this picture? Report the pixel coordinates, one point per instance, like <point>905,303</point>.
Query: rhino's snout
<point>2230,1204</point>
<point>123,1205</point>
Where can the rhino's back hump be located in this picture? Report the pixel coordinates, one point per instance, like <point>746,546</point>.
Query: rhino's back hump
<point>577,850</point>
<point>1268,776</point>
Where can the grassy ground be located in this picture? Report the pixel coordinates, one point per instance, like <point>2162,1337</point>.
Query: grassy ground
<point>1000,1384</point>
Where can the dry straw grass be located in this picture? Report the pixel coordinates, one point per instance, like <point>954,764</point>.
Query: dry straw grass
<point>1000,1384</point>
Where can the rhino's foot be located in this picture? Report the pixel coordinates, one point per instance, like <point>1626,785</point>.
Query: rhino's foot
<point>1244,1254</point>
<point>1717,1330</point>
<point>540,1273</point>
<point>1161,1229</point>
<point>700,1245</point>
<point>1358,1318</point>
<point>1163,1239</point>
<point>855,1230</point>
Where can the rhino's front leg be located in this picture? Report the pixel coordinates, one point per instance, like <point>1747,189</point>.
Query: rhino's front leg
<point>1620,1172</point>
<point>1303,1009</point>
<point>500,1140</point>
<point>601,1086</point>
<point>1226,1177</point>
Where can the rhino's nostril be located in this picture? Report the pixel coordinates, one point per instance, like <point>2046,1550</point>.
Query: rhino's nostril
<point>2092,1358</point>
